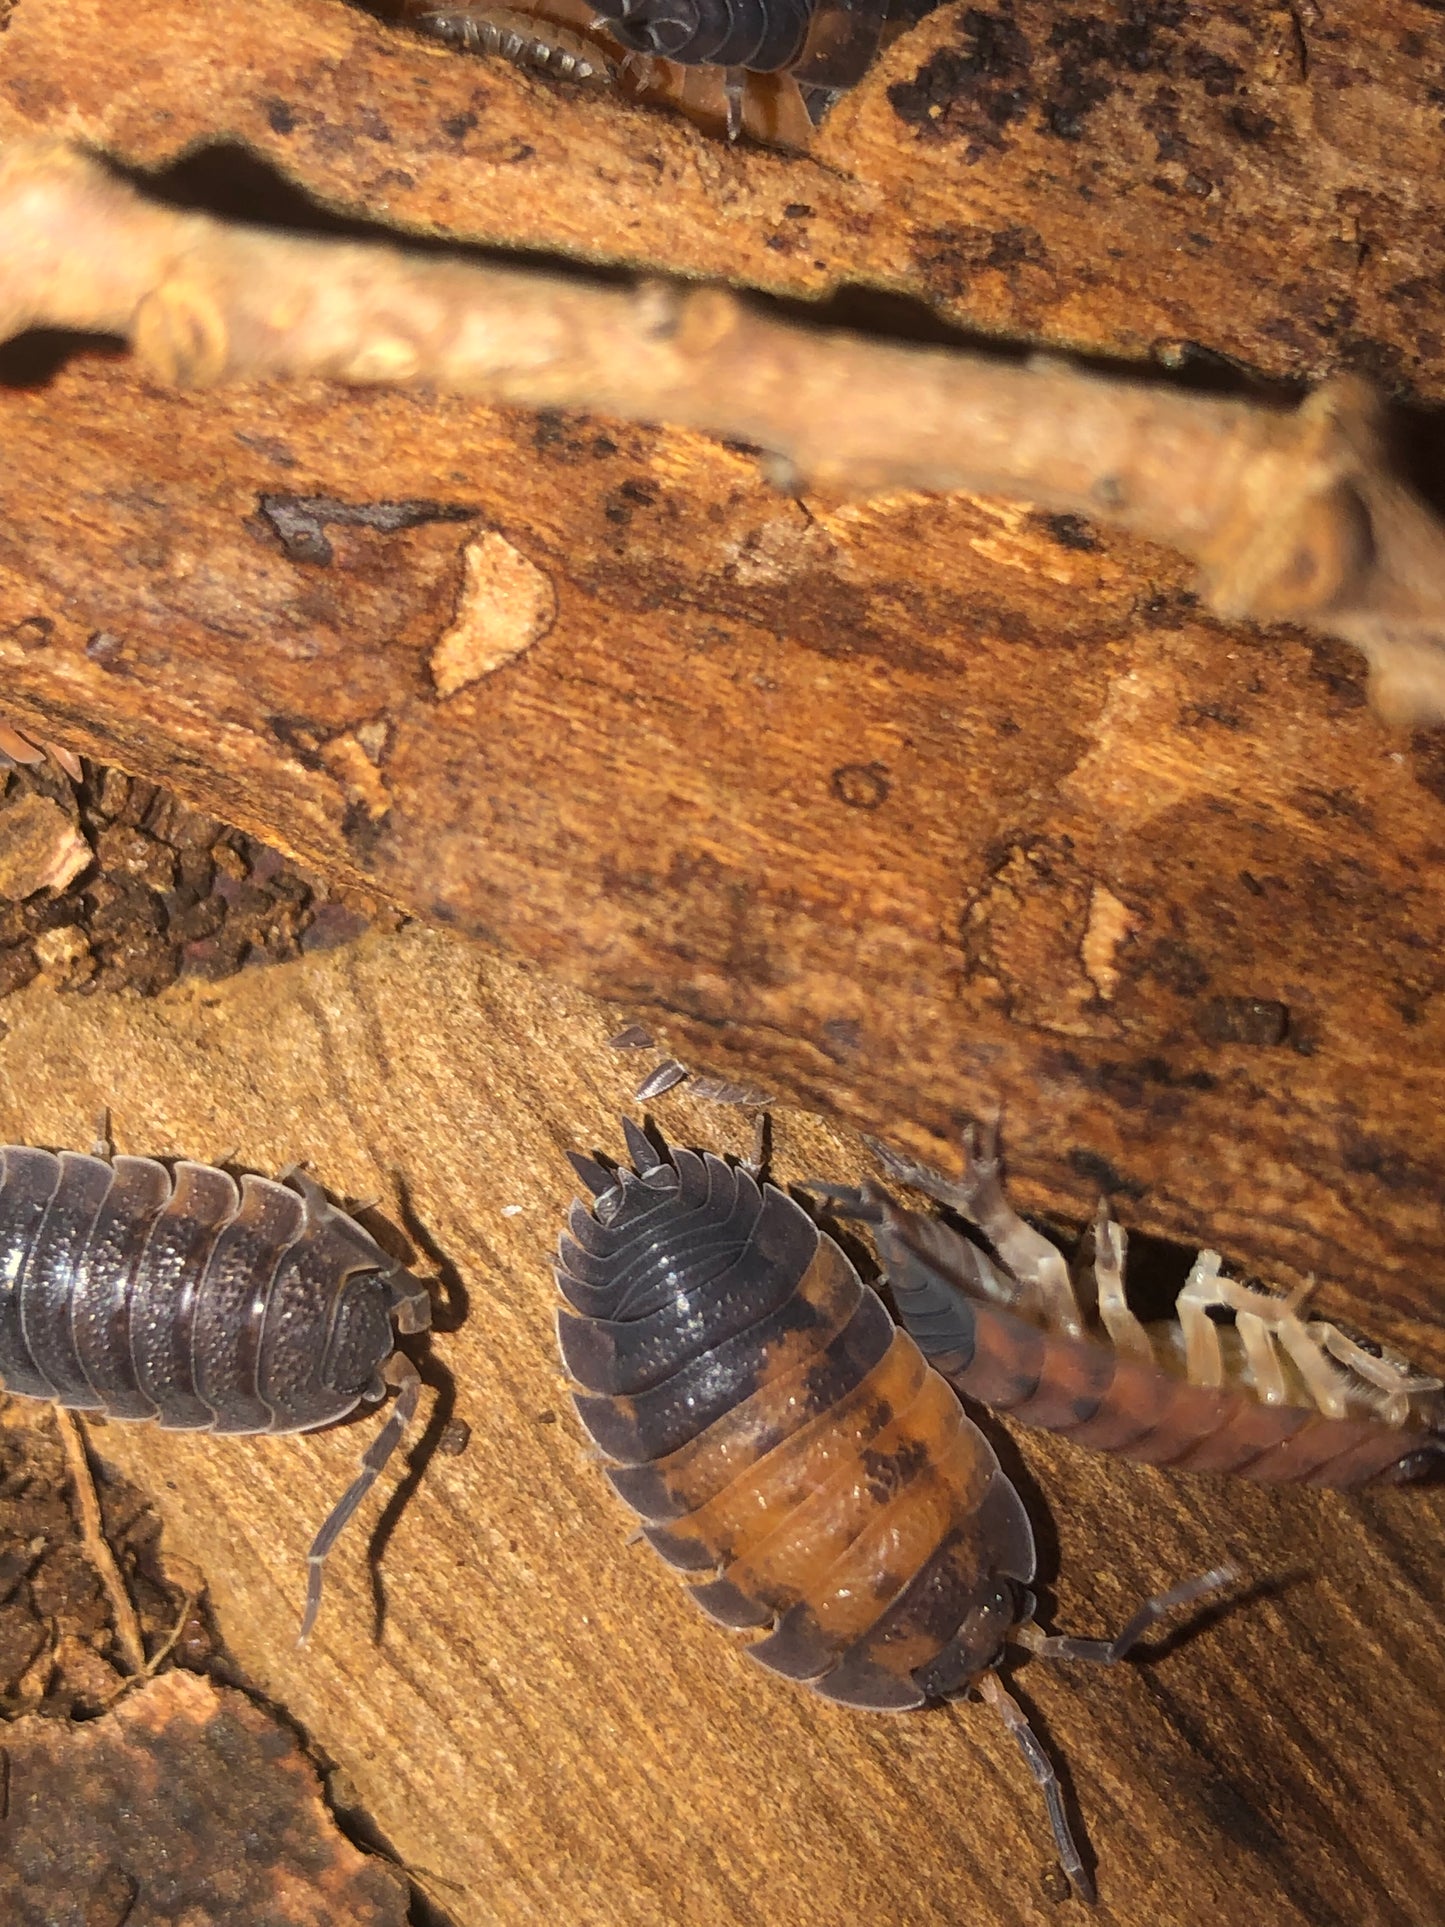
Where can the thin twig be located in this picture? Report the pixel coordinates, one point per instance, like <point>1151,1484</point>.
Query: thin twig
<point>92,1531</point>
<point>162,1653</point>
<point>1290,515</point>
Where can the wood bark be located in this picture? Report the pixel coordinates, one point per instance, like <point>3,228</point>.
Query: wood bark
<point>546,1728</point>
<point>908,807</point>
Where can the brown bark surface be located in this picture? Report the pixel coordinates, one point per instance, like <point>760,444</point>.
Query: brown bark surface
<point>548,1730</point>
<point>907,807</point>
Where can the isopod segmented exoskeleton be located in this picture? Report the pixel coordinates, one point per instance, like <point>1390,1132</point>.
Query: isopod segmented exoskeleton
<point>792,1451</point>
<point>177,1295</point>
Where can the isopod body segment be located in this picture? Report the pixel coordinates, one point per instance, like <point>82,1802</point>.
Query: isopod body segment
<point>180,1296</point>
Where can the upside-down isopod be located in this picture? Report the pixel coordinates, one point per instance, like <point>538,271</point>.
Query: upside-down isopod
<point>175,1295</point>
<point>792,1451</point>
<point>1273,1396</point>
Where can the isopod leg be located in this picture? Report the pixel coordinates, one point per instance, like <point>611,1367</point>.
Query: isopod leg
<point>991,1688</point>
<point>1038,1265</point>
<point>1389,1376</point>
<point>400,1372</point>
<point>411,1305</point>
<point>1203,1355</point>
<point>1105,1652</point>
<point>734,81</point>
<point>756,1164</point>
<point>1129,1337</point>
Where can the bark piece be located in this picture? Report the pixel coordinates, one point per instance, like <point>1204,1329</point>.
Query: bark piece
<point>187,1804</point>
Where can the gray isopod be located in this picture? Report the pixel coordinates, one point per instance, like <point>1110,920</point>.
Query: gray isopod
<point>177,1295</point>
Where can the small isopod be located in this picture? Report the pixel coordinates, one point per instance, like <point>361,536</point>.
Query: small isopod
<point>525,39</point>
<point>1274,1396</point>
<point>176,1295</point>
<point>792,1452</point>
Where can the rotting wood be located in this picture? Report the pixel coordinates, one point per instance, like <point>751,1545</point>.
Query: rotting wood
<point>908,808</point>
<point>549,1729</point>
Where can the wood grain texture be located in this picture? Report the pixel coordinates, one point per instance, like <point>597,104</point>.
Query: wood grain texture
<point>905,808</point>
<point>548,1730</point>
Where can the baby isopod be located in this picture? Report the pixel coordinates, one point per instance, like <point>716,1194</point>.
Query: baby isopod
<point>523,38</point>
<point>791,1451</point>
<point>1273,1396</point>
<point>176,1295</point>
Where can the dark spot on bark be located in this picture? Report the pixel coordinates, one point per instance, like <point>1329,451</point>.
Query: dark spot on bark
<point>1427,755</point>
<point>302,737</point>
<point>1250,124</point>
<point>456,127</point>
<point>1218,75</point>
<point>844,1035</point>
<point>1168,609</point>
<point>281,116</point>
<point>1070,531</point>
<point>1095,54</point>
<point>1242,1020</point>
<point>300,521</point>
<point>797,211</point>
<point>1341,669</point>
<point>105,648</point>
<point>33,632</point>
<point>973,91</point>
<point>1195,715</point>
<point>861,786</point>
<point>1098,1170</point>
<point>1393,1169</point>
<point>1174,965</point>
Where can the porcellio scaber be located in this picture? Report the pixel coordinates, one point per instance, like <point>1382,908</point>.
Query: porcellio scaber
<point>178,1296</point>
<point>791,1451</point>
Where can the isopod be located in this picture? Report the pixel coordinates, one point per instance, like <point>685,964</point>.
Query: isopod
<point>525,39</point>
<point>824,46</point>
<point>176,1296</point>
<point>1273,1396</point>
<point>792,1452</point>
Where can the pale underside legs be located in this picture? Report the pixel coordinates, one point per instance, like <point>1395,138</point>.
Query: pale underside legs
<point>1039,1267</point>
<point>1272,1331</point>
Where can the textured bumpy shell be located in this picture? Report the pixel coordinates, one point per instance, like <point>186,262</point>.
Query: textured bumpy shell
<point>787,1446</point>
<point>183,1298</point>
<point>1088,1392</point>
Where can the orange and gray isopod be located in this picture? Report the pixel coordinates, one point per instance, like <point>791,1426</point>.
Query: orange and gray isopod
<point>782,1439</point>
